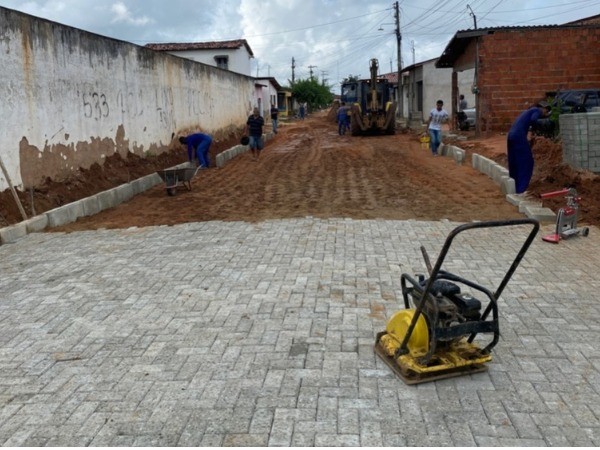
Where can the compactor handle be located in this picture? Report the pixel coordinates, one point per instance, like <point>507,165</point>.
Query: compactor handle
<point>492,306</point>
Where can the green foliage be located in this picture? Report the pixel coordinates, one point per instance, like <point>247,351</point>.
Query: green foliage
<point>313,93</point>
<point>351,78</point>
<point>555,111</point>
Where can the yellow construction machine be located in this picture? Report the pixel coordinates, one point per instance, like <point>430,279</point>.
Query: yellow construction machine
<point>434,336</point>
<point>372,108</point>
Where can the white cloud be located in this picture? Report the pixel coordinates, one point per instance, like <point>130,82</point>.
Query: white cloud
<point>338,37</point>
<point>122,14</point>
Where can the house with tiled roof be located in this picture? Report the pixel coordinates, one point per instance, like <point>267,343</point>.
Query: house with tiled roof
<point>233,55</point>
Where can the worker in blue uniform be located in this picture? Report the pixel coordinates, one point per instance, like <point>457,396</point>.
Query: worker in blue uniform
<point>200,144</point>
<point>520,157</point>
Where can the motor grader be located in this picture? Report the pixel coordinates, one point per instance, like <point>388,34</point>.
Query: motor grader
<point>372,108</point>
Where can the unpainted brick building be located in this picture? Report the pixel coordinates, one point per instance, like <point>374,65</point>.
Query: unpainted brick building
<point>516,67</point>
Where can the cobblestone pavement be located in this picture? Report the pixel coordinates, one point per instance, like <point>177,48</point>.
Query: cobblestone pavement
<point>240,334</point>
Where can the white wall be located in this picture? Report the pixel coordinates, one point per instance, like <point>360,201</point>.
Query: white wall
<point>239,59</point>
<point>437,84</point>
<point>268,94</point>
<point>465,82</point>
<point>71,98</point>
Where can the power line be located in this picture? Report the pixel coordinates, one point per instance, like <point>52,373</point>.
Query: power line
<point>317,26</point>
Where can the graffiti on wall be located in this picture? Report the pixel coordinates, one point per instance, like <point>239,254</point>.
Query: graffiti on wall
<point>199,102</point>
<point>164,107</point>
<point>95,105</point>
<point>166,102</point>
<point>130,103</point>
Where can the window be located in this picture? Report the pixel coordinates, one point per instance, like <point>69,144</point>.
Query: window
<point>222,61</point>
<point>592,100</point>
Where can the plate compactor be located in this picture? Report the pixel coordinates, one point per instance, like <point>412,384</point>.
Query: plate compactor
<point>433,338</point>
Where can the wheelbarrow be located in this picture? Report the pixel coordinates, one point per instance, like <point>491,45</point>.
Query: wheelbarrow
<point>175,177</point>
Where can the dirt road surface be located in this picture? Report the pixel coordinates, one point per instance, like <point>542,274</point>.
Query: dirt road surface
<point>309,170</point>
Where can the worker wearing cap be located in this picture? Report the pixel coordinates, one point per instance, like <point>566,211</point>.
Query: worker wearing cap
<point>520,157</point>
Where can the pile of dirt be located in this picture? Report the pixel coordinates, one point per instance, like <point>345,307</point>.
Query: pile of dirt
<point>551,174</point>
<point>83,183</point>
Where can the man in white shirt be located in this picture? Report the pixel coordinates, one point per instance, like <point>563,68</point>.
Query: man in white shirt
<point>437,117</point>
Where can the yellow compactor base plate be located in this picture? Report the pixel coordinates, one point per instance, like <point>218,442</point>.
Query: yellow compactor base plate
<point>455,359</point>
<point>411,377</point>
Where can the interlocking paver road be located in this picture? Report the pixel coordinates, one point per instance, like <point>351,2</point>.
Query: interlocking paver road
<point>231,333</point>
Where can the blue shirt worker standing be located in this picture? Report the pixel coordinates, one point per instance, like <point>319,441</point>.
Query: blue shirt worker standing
<point>520,157</point>
<point>254,130</point>
<point>342,118</point>
<point>200,144</point>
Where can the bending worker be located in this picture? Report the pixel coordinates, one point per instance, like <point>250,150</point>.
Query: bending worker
<point>520,157</point>
<point>200,144</point>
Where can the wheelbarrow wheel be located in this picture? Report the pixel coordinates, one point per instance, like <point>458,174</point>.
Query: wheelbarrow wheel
<point>171,191</point>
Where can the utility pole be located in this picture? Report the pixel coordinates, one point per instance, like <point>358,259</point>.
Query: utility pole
<point>412,46</point>
<point>472,14</point>
<point>399,43</point>
<point>475,87</point>
<point>311,71</point>
<point>323,79</point>
<point>293,67</point>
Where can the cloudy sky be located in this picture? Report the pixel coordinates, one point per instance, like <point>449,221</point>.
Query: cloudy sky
<point>336,38</point>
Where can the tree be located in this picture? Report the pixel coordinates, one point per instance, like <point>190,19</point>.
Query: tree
<point>311,92</point>
<point>351,78</point>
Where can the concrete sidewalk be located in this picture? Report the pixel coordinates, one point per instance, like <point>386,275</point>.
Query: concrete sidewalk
<point>232,333</point>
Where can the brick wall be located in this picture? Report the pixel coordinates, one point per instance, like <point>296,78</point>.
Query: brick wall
<point>581,140</point>
<point>517,67</point>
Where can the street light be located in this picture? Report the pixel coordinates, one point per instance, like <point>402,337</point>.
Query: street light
<point>381,26</point>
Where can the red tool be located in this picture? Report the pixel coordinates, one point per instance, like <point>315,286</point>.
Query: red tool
<point>566,222</point>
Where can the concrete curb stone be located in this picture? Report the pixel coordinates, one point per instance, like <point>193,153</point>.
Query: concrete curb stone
<point>103,200</point>
<point>120,194</point>
<point>13,233</point>
<point>499,174</point>
<point>65,214</point>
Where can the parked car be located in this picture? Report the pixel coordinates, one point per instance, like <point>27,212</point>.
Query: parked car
<point>565,102</point>
<point>576,100</point>
<point>466,118</point>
